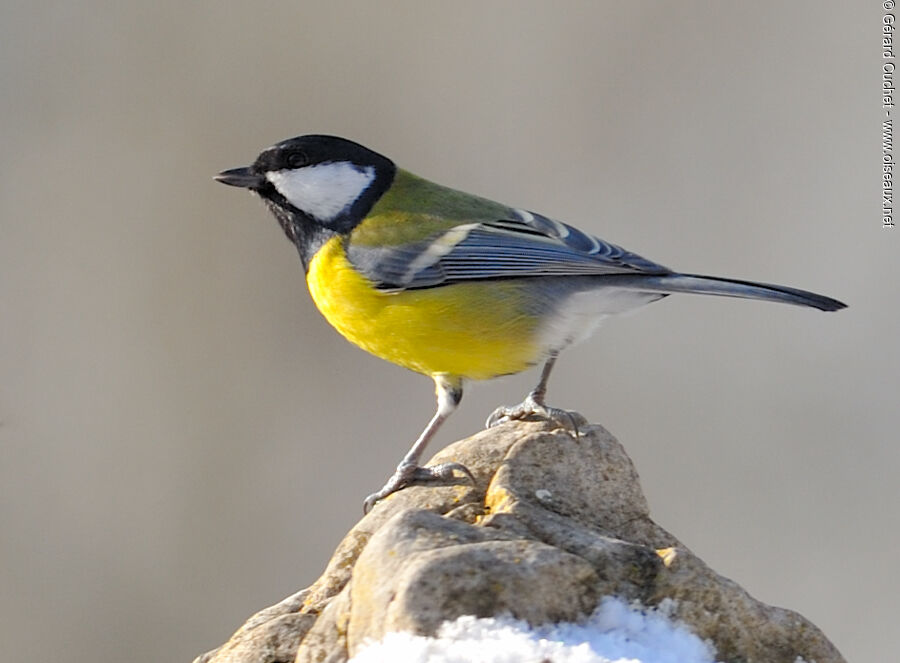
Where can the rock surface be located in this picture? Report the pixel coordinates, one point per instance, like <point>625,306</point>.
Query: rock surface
<point>553,524</point>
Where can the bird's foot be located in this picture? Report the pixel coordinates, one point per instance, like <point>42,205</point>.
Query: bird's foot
<point>413,475</point>
<point>533,406</point>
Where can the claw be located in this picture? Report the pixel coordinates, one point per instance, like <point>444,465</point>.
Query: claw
<point>370,502</point>
<point>440,474</point>
<point>413,475</point>
<point>532,407</point>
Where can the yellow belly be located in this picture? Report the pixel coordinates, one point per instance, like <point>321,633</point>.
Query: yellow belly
<point>471,330</point>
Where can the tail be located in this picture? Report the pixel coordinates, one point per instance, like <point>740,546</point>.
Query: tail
<point>714,285</point>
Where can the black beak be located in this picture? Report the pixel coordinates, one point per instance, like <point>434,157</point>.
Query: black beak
<point>241,177</point>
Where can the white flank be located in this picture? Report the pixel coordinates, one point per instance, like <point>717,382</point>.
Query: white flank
<point>579,315</point>
<point>325,190</point>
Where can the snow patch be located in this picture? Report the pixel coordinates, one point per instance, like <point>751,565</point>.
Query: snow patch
<point>615,633</point>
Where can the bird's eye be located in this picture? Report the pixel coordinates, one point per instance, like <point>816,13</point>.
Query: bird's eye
<point>297,159</point>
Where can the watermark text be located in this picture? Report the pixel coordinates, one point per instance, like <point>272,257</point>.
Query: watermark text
<point>888,71</point>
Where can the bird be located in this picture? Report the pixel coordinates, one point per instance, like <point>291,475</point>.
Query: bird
<point>452,285</point>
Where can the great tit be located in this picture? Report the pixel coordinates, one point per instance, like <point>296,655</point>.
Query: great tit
<point>452,285</point>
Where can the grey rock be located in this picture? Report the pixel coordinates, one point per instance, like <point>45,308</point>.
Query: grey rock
<point>272,635</point>
<point>554,522</point>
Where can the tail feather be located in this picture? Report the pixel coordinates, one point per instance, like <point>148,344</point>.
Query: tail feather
<point>714,285</point>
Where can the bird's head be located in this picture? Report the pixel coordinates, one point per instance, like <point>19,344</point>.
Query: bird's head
<point>326,181</point>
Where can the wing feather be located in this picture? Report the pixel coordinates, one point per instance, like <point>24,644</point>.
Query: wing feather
<point>524,245</point>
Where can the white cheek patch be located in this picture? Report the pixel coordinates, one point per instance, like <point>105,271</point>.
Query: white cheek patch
<point>325,190</point>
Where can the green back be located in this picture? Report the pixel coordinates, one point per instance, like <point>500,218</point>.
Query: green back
<point>413,209</point>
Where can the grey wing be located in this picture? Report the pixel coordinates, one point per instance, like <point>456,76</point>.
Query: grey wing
<point>524,245</point>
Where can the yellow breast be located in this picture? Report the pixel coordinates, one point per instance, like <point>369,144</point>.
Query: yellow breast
<point>473,330</point>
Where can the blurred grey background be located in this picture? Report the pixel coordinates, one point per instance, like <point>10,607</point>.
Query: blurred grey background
<point>184,440</point>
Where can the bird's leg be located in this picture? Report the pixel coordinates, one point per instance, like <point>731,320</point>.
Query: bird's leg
<point>408,472</point>
<point>534,404</point>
